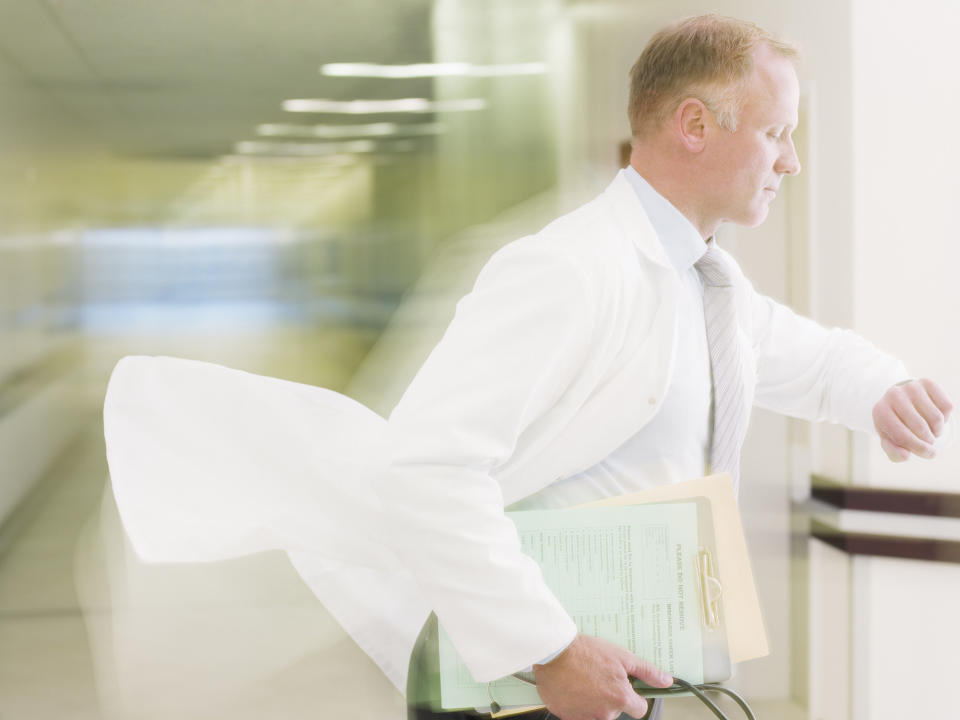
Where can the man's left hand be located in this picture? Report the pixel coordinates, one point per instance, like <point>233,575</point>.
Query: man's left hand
<point>910,417</point>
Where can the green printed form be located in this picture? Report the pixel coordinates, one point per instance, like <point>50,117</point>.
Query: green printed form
<point>627,574</point>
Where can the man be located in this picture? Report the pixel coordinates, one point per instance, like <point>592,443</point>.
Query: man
<point>594,358</point>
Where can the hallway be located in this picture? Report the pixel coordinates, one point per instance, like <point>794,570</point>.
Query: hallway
<point>88,632</point>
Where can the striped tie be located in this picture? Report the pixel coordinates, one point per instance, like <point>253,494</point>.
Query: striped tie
<point>719,312</point>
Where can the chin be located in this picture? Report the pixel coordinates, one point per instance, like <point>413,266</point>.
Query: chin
<point>756,218</point>
<point>751,218</point>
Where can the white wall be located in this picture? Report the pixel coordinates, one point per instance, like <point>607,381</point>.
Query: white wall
<point>830,642</point>
<point>40,410</point>
<point>905,639</point>
<point>905,102</point>
<point>906,99</point>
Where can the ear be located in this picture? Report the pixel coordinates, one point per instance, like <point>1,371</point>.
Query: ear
<point>691,124</point>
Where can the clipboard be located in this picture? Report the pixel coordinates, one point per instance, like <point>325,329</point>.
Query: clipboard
<point>678,543</point>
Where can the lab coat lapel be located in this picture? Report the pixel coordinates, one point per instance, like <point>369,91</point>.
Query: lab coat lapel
<point>632,395</point>
<point>631,390</point>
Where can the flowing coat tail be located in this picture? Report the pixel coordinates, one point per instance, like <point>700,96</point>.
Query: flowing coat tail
<point>209,463</point>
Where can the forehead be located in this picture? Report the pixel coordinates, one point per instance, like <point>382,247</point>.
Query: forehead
<point>772,93</point>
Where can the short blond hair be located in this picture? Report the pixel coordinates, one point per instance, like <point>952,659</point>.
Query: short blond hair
<point>708,57</point>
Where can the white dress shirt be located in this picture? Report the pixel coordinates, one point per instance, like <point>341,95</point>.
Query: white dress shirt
<point>675,445</point>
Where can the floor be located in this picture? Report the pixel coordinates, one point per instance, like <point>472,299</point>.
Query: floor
<point>45,665</point>
<point>88,632</point>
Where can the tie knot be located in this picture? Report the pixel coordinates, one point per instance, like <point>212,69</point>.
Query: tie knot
<point>713,268</point>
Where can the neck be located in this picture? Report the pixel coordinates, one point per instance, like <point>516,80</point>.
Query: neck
<point>666,175</point>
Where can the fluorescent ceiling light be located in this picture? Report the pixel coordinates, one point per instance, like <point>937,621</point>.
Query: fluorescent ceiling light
<point>294,149</point>
<point>331,162</point>
<point>421,70</point>
<point>282,148</point>
<point>369,107</point>
<point>343,131</point>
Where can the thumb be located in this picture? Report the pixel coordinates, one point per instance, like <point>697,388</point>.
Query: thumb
<point>635,705</point>
<point>646,672</point>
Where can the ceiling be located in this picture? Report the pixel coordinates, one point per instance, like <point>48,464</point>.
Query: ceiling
<point>189,78</point>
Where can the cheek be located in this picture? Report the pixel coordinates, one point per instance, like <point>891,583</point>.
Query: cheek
<point>761,159</point>
<point>752,165</point>
<point>760,172</point>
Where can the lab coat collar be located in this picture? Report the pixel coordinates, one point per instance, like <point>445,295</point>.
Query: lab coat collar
<point>628,212</point>
<point>680,239</point>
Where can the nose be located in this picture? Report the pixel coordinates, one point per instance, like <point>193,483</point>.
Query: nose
<point>788,163</point>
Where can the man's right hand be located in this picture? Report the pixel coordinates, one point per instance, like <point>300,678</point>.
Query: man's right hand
<point>590,680</point>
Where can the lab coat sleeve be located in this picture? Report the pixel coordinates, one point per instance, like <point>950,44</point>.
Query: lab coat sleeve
<point>516,343</point>
<point>817,373</point>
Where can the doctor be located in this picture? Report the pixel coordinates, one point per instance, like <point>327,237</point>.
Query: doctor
<point>620,348</point>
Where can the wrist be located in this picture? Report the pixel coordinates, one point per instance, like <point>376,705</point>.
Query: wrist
<point>554,655</point>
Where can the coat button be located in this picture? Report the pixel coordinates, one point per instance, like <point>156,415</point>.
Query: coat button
<point>652,400</point>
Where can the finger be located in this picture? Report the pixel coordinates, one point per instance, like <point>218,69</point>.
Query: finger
<point>890,426</point>
<point>646,671</point>
<point>635,705</point>
<point>893,417</point>
<point>923,403</point>
<point>914,431</point>
<point>896,454</point>
<point>938,396</point>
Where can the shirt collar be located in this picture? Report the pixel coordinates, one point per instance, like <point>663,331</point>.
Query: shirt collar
<point>680,239</point>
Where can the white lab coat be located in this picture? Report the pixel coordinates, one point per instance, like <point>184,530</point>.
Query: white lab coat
<point>561,352</point>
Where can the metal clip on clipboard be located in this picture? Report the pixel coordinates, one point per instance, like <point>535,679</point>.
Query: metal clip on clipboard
<point>710,589</point>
